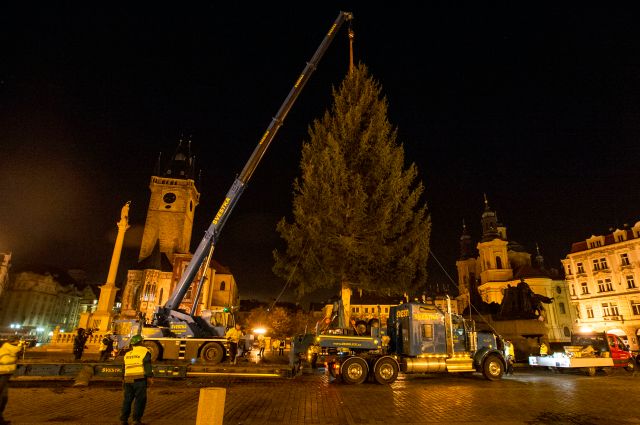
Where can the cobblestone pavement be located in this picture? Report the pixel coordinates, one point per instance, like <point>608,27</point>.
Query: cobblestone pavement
<point>529,397</point>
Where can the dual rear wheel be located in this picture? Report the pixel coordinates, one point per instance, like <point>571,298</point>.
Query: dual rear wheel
<point>355,370</point>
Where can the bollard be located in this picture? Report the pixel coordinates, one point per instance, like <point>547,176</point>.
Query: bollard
<point>211,406</point>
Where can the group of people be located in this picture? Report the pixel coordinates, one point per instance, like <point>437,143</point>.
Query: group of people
<point>80,344</point>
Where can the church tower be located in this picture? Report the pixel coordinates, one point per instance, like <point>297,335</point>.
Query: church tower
<point>172,204</point>
<point>466,266</point>
<point>493,260</point>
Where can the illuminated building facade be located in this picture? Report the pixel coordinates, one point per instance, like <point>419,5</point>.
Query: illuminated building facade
<point>603,274</point>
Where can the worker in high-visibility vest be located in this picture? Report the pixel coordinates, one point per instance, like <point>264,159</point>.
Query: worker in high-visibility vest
<point>544,350</point>
<point>138,375</point>
<point>8,357</point>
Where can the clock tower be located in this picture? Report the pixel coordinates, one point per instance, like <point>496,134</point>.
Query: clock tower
<point>172,204</point>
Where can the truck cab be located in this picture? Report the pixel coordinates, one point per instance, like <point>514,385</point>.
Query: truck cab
<point>605,345</point>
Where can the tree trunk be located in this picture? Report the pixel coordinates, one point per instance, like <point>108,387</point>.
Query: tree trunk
<point>345,320</point>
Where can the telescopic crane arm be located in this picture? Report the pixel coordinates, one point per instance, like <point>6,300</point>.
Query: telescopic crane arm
<point>213,232</point>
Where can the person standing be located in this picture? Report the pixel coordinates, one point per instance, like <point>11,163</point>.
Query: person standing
<point>281,347</point>
<point>510,356</point>
<point>106,347</point>
<point>79,343</point>
<point>233,335</point>
<point>261,345</point>
<point>138,375</point>
<point>8,358</point>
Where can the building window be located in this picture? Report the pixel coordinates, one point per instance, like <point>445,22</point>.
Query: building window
<point>578,315</point>
<point>608,285</point>
<point>223,284</point>
<point>624,259</point>
<point>498,263</point>
<point>631,284</point>
<point>603,264</point>
<point>589,310</point>
<point>601,286</point>
<point>596,265</point>
<point>614,309</point>
<point>366,309</point>
<point>353,309</point>
<point>561,307</point>
<point>569,269</point>
<point>573,290</point>
<point>585,288</point>
<point>605,310</point>
<point>620,238</point>
<point>635,307</point>
<point>580,268</point>
<point>386,309</point>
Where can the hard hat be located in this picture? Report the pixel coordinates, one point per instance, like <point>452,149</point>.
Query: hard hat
<point>136,339</point>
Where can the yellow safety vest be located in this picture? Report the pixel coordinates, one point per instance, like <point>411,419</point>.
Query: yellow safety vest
<point>134,362</point>
<point>8,358</point>
<point>543,349</point>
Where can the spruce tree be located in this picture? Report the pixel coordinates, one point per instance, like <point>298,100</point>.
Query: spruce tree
<point>359,220</point>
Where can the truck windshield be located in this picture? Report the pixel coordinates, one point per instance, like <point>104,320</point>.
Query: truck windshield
<point>596,341</point>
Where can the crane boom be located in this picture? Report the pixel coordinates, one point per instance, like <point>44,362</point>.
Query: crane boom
<point>213,232</point>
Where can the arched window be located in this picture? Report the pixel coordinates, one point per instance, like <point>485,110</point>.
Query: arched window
<point>222,285</point>
<point>498,262</point>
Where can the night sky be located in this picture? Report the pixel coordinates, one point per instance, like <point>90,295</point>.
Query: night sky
<point>536,106</point>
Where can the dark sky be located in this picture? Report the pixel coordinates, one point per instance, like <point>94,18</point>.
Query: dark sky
<point>536,106</point>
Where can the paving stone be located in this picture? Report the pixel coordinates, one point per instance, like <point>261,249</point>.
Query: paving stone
<point>529,397</point>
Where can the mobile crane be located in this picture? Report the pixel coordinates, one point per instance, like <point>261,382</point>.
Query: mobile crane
<point>174,334</point>
<point>418,338</point>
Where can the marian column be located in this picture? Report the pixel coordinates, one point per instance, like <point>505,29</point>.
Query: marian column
<point>101,318</point>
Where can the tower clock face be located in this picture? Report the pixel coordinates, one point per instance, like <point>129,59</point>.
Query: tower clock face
<point>169,197</point>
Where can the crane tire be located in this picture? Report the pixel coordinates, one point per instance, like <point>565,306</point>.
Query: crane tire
<point>212,353</point>
<point>154,349</point>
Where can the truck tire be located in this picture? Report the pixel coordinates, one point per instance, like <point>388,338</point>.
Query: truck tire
<point>385,371</point>
<point>212,353</point>
<point>631,366</point>
<point>153,348</point>
<point>492,368</point>
<point>354,370</point>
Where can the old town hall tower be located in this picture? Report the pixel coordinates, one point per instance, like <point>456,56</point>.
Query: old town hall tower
<point>173,200</point>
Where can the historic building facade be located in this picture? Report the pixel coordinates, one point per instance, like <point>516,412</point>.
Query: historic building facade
<point>164,252</point>
<point>496,263</point>
<point>603,273</point>
<point>40,299</point>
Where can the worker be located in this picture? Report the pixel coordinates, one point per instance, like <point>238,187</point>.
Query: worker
<point>544,349</point>
<point>261,345</point>
<point>8,358</point>
<point>233,335</point>
<point>510,356</point>
<point>138,375</point>
<point>106,347</point>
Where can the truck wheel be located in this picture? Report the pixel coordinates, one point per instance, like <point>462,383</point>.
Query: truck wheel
<point>153,348</point>
<point>385,371</point>
<point>354,370</point>
<point>492,368</point>
<point>212,353</point>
